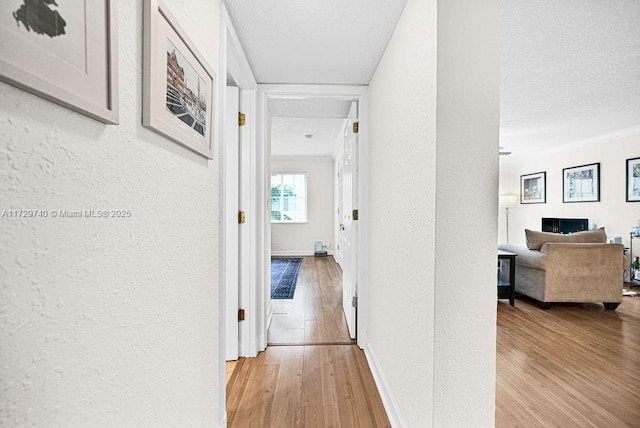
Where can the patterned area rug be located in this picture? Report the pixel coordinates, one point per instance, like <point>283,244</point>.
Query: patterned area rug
<point>284,274</point>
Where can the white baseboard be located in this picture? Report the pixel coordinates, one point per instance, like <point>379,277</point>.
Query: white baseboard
<point>269,314</point>
<point>223,422</point>
<point>296,253</point>
<point>389,403</point>
<point>261,343</point>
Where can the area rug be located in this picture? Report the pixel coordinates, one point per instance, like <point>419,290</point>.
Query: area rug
<point>284,274</point>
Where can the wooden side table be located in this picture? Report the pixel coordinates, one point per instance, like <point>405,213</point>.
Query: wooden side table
<point>511,285</point>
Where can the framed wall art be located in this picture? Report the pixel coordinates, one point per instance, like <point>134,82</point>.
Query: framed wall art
<point>65,52</point>
<point>581,183</point>
<point>533,188</point>
<point>179,86</point>
<point>633,180</point>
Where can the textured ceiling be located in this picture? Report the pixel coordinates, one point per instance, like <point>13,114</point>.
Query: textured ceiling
<point>288,136</point>
<point>310,107</point>
<point>320,42</point>
<point>570,72</point>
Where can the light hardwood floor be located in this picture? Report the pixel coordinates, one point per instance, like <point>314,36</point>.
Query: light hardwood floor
<point>575,365</point>
<point>325,383</point>
<point>314,315</point>
<point>571,366</point>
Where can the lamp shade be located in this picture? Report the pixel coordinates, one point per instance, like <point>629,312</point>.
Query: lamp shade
<point>508,200</point>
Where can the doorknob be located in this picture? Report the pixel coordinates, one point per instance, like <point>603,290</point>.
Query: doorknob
<point>341,226</point>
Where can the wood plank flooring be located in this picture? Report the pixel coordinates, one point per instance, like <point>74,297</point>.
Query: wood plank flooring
<point>575,365</point>
<point>314,315</point>
<point>326,383</point>
<point>305,386</point>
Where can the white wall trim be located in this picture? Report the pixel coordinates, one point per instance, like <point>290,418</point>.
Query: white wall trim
<point>233,61</point>
<point>237,63</point>
<point>296,253</point>
<point>302,158</point>
<point>337,92</point>
<point>222,295</point>
<point>388,401</point>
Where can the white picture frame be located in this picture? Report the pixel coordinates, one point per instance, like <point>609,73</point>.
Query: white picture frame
<point>65,52</point>
<point>179,85</point>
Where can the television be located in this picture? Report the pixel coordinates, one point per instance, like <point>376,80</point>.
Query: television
<point>564,225</point>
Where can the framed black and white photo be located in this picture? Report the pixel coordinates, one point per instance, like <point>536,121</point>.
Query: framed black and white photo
<point>179,86</point>
<point>633,180</point>
<point>581,183</point>
<point>533,188</point>
<point>63,51</point>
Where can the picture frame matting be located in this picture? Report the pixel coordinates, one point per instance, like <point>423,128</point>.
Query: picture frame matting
<point>533,188</point>
<point>44,52</point>
<point>581,183</point>
<point>179,85</point>
<point>633,180</point>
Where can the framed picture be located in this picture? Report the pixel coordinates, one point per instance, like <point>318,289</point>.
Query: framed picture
<point>633,180</point>
<point>581,183</point>
<point>65,52</point>
<point>179,86</point>
<point>533,188</point>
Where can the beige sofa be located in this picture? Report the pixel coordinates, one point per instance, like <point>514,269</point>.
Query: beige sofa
<point>578,267</point>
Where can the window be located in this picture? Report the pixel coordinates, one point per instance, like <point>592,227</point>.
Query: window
<point>288,197</point>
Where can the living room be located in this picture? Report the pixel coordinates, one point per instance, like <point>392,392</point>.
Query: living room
<point>611,211</point>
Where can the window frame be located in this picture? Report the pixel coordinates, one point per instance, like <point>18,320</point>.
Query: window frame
<point>305,198</point>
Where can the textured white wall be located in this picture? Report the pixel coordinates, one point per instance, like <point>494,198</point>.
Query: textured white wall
<point>468,106</point>
<point>612,212</point>
<point>299,238</point>
<point>434,177</point>
<point>402,220</point>
<point>109,322</point>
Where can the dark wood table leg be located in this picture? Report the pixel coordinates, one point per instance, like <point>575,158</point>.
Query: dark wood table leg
<point>512,281</point>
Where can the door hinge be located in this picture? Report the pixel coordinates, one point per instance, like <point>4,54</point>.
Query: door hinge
<point>356,126</point>
<point>240,314</point>
<point>354,301</point>
<point>242,119</point>
<point>354,214</point>
<point>242,217</point>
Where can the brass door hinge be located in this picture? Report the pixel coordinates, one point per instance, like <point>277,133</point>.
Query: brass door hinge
<point>356,126</point>
<point>242,217</point>
<point>354,214</point>
<point>242,119</point>
<point>240,314</point>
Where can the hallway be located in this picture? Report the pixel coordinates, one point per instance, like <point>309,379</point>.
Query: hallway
<point>314,315</point>
<point>311,374</point>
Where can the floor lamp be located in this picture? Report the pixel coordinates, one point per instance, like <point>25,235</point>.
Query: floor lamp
<point>508,201</point>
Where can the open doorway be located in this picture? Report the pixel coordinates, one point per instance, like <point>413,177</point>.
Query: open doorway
<point>313,195</point>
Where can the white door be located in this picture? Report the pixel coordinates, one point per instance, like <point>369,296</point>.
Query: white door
<point>340,234</point>
<point>231,247</point>
<point>350,233</point>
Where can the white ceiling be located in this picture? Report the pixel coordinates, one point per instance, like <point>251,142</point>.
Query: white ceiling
<point>288,137</point>
<point>570,70</point>
<point>319,42</point>
<point>312,42</point>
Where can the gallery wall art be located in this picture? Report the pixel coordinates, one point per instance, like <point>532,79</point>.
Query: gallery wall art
<point>63,51</point>
<point>179,86</point>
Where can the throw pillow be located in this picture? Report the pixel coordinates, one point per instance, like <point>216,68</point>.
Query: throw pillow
<point>535,239</point>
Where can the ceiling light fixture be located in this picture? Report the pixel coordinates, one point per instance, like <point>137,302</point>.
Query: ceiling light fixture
<point>502,152</point>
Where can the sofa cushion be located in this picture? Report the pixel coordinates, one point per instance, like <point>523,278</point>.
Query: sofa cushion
<point>535,239</point>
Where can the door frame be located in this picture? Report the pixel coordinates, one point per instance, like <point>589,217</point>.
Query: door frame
<point>336,92</point>
<point>233,62</point>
